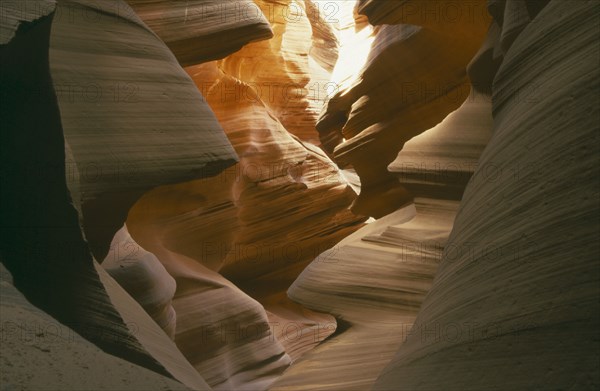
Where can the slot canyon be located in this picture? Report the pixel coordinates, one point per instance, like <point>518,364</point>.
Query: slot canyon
<point>300,195</point>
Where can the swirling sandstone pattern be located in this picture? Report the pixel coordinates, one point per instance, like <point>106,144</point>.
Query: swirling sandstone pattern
<point>533,225</point>
<point>142,275</point>
<point>324,22</point>
<point>203,30</point>
<point>376,279</point>
<point>62,359</point>
<point>222,201</point>
<point>262,249</point>
<point>131,116</point>
<point>42,244</point>
<point>287,80</point>
<point>396,98</point>
<point>379,299</point>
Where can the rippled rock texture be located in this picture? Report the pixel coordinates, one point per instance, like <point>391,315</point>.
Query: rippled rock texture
<point>459,324</point>
<point>278,179</point>
<point>44,127</point>
<point>221,159</point>
<point>61,358</point>
<point>519,309</point>
<point>203,30</point>
<point>131,116</point>
<point>376,279</point>
<point>287,79</point>
<point>415,75</point>
<point>283,204</point>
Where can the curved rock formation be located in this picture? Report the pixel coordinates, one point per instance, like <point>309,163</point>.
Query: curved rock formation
<point>42,243</point>
<point>230,203</point>
<point>396,98</point>
<point>456,17</point>
<point>108,166</point>
<point>376,279</point>
<point>439,163</point>
<point>272,213</point>
<point>61,358</point>
<point>150,125</point>
<point>224,333</point>
<point>291,180</point>
<point>142,275</point>
<point>38,221</point>
<point>203,30</point>
<point>286,79</point>
<point>515,302</point>
<point>322,16</point>
<point>151,337</point>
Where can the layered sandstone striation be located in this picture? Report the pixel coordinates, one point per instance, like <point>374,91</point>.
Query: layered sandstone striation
<point>534,224</point>
<point>39,222</point>
<point>203,30</point>
<point>142,275</point>
<point>235,252</point>
<point>39,352</point>
<point>395,98</point>
<point>277,169</point>
<point>284,203</point>
<point>290,81</point>
<point>325,24</point>
<point>42,242</point>
<point>128,127</point>
<point>439,163</point>
<point>375,280</point>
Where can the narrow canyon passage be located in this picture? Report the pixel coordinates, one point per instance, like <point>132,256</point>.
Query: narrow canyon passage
<point>300,195</point>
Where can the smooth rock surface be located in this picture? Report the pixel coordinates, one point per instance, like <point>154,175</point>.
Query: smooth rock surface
<point>413,78</point>
<point>520,308</point>
<point>149,334</point>
<point>375,280</point>
<point>284,203</point>
<point>203,30</point>
<point>493,288</point>
<point>223,332</point>
<point>142,275</point>
<point>61,358</point>
<point>289,81</point>
<point>440,162</point>
<point>41,241</point>
<point>132,118</point>
<point>372,300</point>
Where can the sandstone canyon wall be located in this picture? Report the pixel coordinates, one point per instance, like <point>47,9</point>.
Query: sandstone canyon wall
<point>189,193</point>
<point>145,118</point>
<point>414,76</point>
<point>533,224</point>
<point>42,244</point>
<point>462,338</point>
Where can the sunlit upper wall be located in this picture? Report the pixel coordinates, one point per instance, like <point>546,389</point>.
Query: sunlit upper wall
<point>355,41</point>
